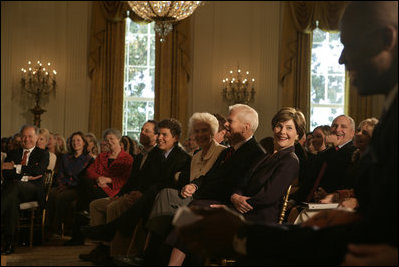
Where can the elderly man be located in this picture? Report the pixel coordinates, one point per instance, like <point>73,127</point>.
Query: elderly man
<point>369,33</point>
<point>23,170</point>
<point>327,172</point>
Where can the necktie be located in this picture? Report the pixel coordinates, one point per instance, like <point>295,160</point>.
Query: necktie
<point>25,157</point>
<point>317,182</point>
<point>229,153</point>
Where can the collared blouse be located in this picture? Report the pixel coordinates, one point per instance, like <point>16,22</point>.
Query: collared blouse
<point>201,165</point>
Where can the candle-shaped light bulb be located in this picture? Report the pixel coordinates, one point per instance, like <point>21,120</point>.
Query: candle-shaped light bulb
<point>239,70</point>
<point>48,63</point>
<point>44,69</point>
<point>231,72</point>
<point>29,62</point>
<point>253,80</point>
<point>38,62</point>
<point>46,73</point>
<point>30,69</point>
<point>22,69</point>
<point>54,72</point>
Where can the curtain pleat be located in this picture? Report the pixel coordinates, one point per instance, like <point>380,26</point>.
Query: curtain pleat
<point>106,68</point>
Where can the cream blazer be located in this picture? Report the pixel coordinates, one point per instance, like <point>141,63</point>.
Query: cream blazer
<point>201,165</point>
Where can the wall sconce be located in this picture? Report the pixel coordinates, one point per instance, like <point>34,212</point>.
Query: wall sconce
<point>39,82</point>
<point>238,89</point>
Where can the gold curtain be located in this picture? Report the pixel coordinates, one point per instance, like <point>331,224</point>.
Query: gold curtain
<point>172,75</point>
<point>295,57</point>
<point>106,68</point>
<point>106,64</point>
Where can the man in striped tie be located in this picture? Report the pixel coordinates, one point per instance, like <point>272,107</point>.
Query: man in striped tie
<point>23,170</point>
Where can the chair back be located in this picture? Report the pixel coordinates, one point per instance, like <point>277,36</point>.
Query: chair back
<point>284,206</point>
<point>48,181</point>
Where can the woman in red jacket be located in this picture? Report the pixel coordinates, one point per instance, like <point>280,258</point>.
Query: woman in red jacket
<point>111,169</point>
<point>104,178</point>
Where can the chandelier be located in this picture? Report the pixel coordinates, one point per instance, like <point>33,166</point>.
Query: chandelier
<point>164,13</point>
<point>238,89</point>
<point>38,82</point>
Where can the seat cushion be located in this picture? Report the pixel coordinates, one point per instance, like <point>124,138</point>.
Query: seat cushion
<point>28,205</point>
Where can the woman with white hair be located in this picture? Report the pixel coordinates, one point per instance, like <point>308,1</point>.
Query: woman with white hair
<point>203,126</point>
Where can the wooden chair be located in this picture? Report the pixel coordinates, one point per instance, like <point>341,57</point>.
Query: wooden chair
<point>32,207</point>
<point>284,206</point>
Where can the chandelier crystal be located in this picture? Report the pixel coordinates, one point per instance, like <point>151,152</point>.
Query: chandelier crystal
<point>164,13</point>
<point>239,88</point>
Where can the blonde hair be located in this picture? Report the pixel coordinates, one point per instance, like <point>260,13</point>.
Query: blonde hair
<point>45,132</point>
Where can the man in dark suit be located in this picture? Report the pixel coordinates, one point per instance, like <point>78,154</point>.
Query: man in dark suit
<point>232,164</point>
<point>23,171</point>
<point>328,170</point>
<point>175,161</point>
<point>369,33</point>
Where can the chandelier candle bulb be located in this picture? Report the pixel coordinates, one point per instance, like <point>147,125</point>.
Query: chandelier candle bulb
<point>239,89</point>
<point>38,82</point>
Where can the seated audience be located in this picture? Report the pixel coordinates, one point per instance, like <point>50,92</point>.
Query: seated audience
<point>369,35</point>
<point>328,169</point>
<point>259,195</point>
<point>175,162</point>
<point>104,178</point>
<point>362,139</point>
<point>226,173</point>
<point>146,171</point>
<point>203,127</point>
<point>72,167</point>
<point>23,171</point>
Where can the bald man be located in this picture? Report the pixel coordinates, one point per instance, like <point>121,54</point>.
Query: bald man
<point>369,34</point>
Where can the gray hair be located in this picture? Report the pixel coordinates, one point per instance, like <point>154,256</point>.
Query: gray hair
<point>113,131</point>
<point>246,114</point>
<point>351,121</point>
<point>204,117</point>
<point>29,126</point>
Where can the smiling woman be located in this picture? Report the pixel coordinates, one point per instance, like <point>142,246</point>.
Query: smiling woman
<point>288,124</point>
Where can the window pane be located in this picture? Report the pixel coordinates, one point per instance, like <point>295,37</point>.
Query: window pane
<point>138,51</point>
<point>318,35</point>
<point>139,77</point>
<point>327,96</point>
<point>138,28</point>
<point>336,90</point>
<point>324,115</point>
<point>318,85</point>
